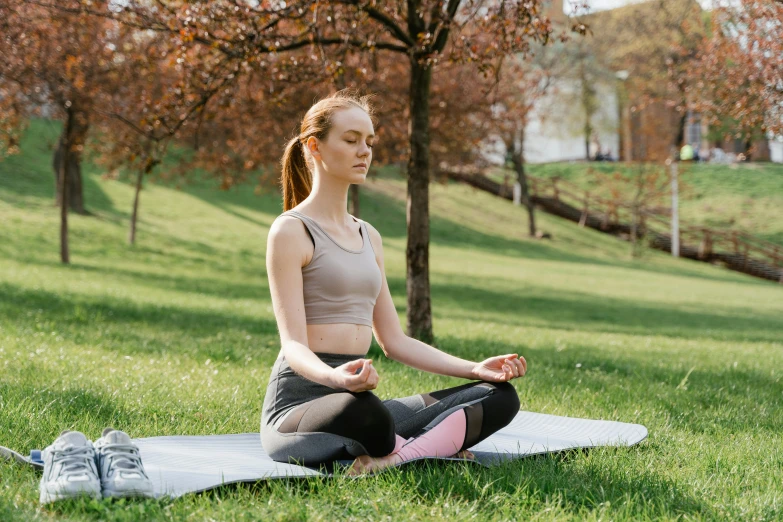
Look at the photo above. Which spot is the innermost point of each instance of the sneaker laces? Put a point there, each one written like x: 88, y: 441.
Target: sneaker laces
x: 74, y: 460
x: 124, y: 457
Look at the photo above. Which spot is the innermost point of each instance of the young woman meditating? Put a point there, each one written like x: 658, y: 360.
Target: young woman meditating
x: 329, y: 292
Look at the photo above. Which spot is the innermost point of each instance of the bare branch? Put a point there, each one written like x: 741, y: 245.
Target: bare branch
x: 387, y: 22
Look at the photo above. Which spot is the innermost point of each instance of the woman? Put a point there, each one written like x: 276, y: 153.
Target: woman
x: 329, y: 292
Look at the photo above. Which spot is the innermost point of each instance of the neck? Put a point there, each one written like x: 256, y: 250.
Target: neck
x: 328, y: 200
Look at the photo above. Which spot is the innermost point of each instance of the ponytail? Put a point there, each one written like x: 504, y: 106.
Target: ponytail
x: 297, y: 180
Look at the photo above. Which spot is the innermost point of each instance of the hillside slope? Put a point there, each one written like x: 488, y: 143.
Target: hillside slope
x: 177, y: 335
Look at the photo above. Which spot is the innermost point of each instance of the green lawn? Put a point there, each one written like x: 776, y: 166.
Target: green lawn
x: 746, y: 197
x: 177, y: 336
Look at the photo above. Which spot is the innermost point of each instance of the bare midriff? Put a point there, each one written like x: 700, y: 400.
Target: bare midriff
x: 345, y: 338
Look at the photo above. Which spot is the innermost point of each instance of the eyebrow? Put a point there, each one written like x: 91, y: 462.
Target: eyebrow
x: 359, y: 133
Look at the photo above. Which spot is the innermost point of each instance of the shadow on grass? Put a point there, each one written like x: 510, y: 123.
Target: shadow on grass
x: 578, y: 486
x: 578, y: 311
x: 710, y: 400
x: 31, y: 173
x: 78, y: 317
x: 187, y: 251
x: 54, y: 409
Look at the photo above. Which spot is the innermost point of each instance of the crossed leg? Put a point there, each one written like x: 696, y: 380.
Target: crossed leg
x: 445, y: 422
x: 382, y: 433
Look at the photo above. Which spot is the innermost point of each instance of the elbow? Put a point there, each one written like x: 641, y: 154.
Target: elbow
x: 392, y: 346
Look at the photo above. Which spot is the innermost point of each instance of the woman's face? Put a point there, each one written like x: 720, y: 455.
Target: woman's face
x: 348, y: 144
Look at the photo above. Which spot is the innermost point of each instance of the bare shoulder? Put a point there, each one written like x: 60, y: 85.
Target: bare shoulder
x: 286, y: 228
x: 289, y: 237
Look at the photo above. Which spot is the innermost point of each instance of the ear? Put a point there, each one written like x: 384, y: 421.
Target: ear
x: 312, y: 146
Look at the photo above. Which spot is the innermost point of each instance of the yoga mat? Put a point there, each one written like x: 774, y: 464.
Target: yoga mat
x: 181, y: 464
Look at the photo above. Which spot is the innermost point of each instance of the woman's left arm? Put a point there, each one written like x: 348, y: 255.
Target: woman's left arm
x: 412, y: 352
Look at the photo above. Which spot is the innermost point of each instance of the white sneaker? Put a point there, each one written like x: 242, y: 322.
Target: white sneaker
x: 121, y: 470
x: 69, y: 469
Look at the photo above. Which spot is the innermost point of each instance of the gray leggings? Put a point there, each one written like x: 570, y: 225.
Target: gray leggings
x: 307, y: 423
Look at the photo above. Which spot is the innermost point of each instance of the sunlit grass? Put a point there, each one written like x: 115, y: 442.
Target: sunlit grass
x: 176, y: 335
x: 744, y: 196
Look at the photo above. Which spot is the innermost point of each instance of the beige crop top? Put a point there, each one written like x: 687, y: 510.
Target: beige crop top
x: 340, y: 285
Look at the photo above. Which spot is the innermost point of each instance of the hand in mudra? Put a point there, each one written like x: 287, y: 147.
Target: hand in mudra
x: 356, y: 376
x: 501, y: 368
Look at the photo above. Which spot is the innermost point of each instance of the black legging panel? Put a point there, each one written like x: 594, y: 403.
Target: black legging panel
x: 358, y: 416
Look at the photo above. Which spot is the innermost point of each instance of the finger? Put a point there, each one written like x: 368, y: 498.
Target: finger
x: 524, y: 363
x: 522, y: 367
x: 514, y: 368
x: 358, y: 376
x: 518, y: 367
x: 352, y: 366
x: 365, y: 373
x: 507, y: 372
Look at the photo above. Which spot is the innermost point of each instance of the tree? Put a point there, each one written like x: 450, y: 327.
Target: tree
x: 656, y: 43
x: 523, y: 83
x: 133, y: 85
x: 479, y: 32
x: 738, y: 75
x: 58, y: 59
x: 155, y: 92
x: 55, y: 59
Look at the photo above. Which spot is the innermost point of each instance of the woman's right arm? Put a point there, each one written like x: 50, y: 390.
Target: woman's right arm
x: 286, y: 252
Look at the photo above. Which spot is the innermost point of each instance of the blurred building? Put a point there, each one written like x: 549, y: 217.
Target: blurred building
x: 609, y: 100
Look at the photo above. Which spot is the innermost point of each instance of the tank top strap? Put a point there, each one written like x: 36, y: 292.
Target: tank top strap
x: 315, y: 231
x: 366, y: 234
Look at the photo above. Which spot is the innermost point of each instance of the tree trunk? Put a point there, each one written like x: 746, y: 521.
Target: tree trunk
x: 354, y: 200
x: 419, y: 314
x: 65, y: 256
x: 588, y: 105
x: 135, y: 213
x: 635, y: 231
x: 75, y: 133
x: 680, y: 139
x: 518, y: 160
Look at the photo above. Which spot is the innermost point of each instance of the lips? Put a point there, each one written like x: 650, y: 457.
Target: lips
x: 361, y: 165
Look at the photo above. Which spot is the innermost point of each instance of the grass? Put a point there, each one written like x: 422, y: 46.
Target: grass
x: 177, y: 336
x: 746, y: 197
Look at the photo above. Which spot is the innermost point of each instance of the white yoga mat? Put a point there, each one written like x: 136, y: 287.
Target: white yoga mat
x: 181, y: 464
x: 184, y: 464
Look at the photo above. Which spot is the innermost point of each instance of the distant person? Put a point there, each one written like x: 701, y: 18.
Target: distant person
x: 686, y: 152
x: 329, y: 294
x: 594, y: 149
x: 717, y: 155
x: 696, y: 153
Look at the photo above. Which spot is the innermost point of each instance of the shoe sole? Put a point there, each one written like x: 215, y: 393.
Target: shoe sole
x: 128, y: 493
x: 47, y: 497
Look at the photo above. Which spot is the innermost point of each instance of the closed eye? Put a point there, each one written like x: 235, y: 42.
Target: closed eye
x: 369, y: 145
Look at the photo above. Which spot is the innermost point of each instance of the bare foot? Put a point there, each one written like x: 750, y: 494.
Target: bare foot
x: 465, y: 454
x: 366, y: 464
